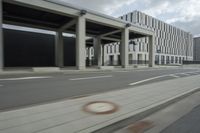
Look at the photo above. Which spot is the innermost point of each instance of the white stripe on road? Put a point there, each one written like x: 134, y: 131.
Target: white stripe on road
x: 175, y: 76
x: 197, y: 72
x: 184, y: 74
x: 108, y: 76
x: 24, y: 78
x: 145, y: 80
x: 171, y: 75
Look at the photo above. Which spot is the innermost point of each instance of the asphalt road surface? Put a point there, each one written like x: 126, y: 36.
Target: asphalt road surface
x: 29, y: 89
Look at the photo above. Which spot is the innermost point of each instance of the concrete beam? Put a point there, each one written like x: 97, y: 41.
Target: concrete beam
x: 67, y: 25
x: 59, y: 50
x: 111, y: 39
x: 80, y: 43
x: 29, y: 25
x: 124, y: 48
x: 110, y: 33
x: 1, y: 37
x: 151, y: 51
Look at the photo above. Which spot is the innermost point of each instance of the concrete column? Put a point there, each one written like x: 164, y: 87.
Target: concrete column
x: 59, y: 49
x: 89, y: 55
x: 80, y: 43
x: 95, y: 45
x: 124, y: 48
x: 159, y: 60
x: 98, y: 51
x: 151, y: 52
x: 103, y: 54
x: 1, y: 37
x: 165, y: 59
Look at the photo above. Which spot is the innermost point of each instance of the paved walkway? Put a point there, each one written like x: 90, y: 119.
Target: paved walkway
x: 68, y: 116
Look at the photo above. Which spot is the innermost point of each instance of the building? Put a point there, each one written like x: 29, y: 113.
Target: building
x: 197, y: 49
x: 89, y: 29
x: 172, y: 45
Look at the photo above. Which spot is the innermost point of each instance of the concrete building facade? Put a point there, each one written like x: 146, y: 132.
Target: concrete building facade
x: 90, y: 29
x: 172, y: 45
x: 197, y: 49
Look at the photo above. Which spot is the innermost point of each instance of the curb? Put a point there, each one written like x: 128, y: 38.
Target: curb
x: 70, y: 72
x: 144, y: 112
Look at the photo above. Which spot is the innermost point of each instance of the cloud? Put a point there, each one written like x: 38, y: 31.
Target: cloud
x: 104, y: 6
x: 180, y: 13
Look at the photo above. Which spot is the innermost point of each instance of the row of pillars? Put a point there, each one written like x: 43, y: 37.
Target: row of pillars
x: 81, y: 44
x: 99, y: 49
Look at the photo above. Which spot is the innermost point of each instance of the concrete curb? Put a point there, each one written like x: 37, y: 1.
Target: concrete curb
x: 65, y: 71
x: 144, y: 112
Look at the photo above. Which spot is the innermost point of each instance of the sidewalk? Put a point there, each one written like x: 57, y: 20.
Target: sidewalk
x: 69, y: 117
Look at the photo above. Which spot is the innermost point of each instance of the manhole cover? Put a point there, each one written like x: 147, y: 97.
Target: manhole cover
x: 100, y: 107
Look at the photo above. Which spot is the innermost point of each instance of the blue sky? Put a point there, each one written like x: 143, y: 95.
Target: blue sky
x: 184, y: 14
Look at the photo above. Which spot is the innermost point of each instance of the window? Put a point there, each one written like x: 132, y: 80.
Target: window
x: 172, y: 59
x: 139, y: 46
x: 111, y: 48
x: 131, y: 17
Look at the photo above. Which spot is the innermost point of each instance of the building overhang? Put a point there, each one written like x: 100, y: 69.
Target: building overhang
x: 51, y: 15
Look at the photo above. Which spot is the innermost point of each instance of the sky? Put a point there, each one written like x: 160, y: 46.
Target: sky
x: 183, y: 14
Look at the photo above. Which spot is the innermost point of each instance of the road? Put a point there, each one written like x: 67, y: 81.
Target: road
x: 29, y: 89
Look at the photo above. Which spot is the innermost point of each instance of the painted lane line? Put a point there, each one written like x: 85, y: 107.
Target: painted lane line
x: 175, y: 76
x: 184, y: 74
x: 97, y: 77
x: 24, y: 78
x: 149, y: 79
x: 192, y: 72
x: 122, y: 71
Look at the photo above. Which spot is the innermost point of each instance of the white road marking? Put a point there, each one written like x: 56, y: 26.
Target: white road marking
x: 197, y: 72
x: 122, y: 71
x: 108, y: 76
x: 175, y: 76
x: 149, y: 79
x: 24, y: 78
x: 184, y: 74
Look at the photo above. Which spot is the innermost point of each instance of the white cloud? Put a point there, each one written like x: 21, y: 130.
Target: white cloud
x: 104, y: 6
x: 181, y: 13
